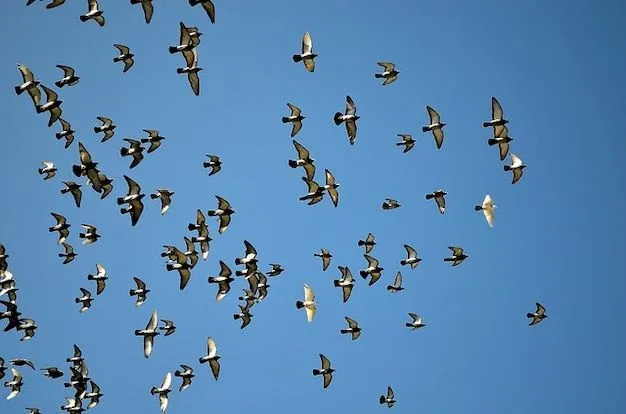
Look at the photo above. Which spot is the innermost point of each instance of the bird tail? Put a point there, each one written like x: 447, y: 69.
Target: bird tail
x: 477, y: 208
x: 61, y: 254
x: 403, y: 262
x: 530, y: 315
x: 492, y: 141
x: 123, y: 151
x: 180, y: 70
x: 211, y: 213
x: 297, y: 58
x: 81, y: 235
x: 90, y: 277
x: 378, y: 75
x: 154, y: 390
x: 240, y: 273
x: 77, y: 170
x: 507, y: 168
x: 316, y: 371
x: 382, y: 399
x: 344, y: 331
x: 120, y: 201
x: 299, y: 304
x: 96, y: 129
x: 238, y: 261
x: 169, y: 267
x: 408, y: 325
x: 336, y: 282
x: 40, y: 170
x: 337, y: 118
x: 76, y: 300
x: 173, y: 49
x: 448, y: 259
x: 177, y: 373
x: 145, y: 140
x: 59, y: 84
x: 285, y: 119
x: 153, y: 196
x: 131, y: 292
x: 486, y: 124
x: 18, y: 90
x: 191, y: 226
x: 363, y: 273
x: 425, y: 129
x: 212, y: 279
x: 429, y: 196
x: 361, y: 243
x: 83, y: 18
x: 236, y: 316
x: 293, y: 163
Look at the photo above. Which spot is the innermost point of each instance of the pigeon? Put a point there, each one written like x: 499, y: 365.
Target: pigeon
x: 517, y: 166
x: 149, y: 333
x: 168, y: 327
x: 397, y: 284
x: 33, y: 410
x: 248, y: 297
x: 390, y: 204
x: 212, y: 357
x: 69, y: 77
x: 497, y: 117
x: 153, y: 138
x: 353, y: 328
x: 346, y: 282
x: 9, y: 287
x: 107, y: 127
x: 21, y: 362
x: 308, y: 303
x: 407, y: 141
x: 326, y: 371
x: 29, y: 84
x: 412, y: 259
x: 125, y: 56
x: 186, y: 42
x: 67, y: 132
x: 85, y: 300
x: 2, y: 368
x: 213, y: 163
x: 69, y: 254
x: 325, y: 256
x: 186, y: 374
x: 29, y: 327
x: 163, y: 391
x: 62, y: 227
x: 3, y: 259
x: 11, y: 314
x: 436, y: 126
x: 417, y: 322
x: 74, y: 189
x: 248, y: 272
x: 457, y: 256
x: 93, y: 13
x: 133, y: 199
x: 389, y: 73
x: 207, y: 5
x: 250, y: 256
x: 15, y: 384
x: 90, y: 235
x: 52, y: 372
x: 52, y: 105
x: 331, y: 187
x: 245, y: 316
x: 439, y: 199
x: 148, y: 8
x: 73, y: 405
x: 191, y: 69
x: 295, y: 118
x: 106, y: 185
x: 100, y: 278
x: 135, y: 150
x: 203, y: 236
x: 175, y: 255
x: 304, y: 160
x: 87, y: 167
x: 538, y: 316
x: 307, y: 56
x: 277, y: 269
x: 223, y: 212
x: 369, y: 243
x: 487, y: 208
x: 262, y: 285
x: 77, y: 358
x: 141, y: 292
x: 223, y: 280
x: 165, y: 196
x: 54, y: 3
x: 49, y: 170
x: 350, y: 117
x: 184, y: 272
x: 502, y: 140
x: 315, y: 192
x: 389, y: 399
x: 373, y: 269
x: 94, y: 395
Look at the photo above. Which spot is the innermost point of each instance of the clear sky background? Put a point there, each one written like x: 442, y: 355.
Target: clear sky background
x: 558, y: 69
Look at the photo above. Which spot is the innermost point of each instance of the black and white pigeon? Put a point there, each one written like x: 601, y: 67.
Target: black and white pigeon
x: 29, y: 84
x: 69, y: 77
x: 390, y: 399
x: 52, y: 372
x: 326, y: 371
x: 368, y: 243
x: 212, y: 357
x: 93, y: 395
x: 184, y: 272
x: 87, y: 167
x: 15, y: 384
x: 436, y: 126
x: 502, y: 140
x: 207, y: 5
x: 134, y: 150
x: 67, y: 132
x: 90, y: 235
x: 457, y: 256
x: 439, y: 199
x: 108, y: 127
x: 353, y: 328
x: 373, y: 269
x: 168, y: 327
x: 49, y: 170
x: 100, y: 278
x: 349, y: 117
x: 331, y: 187
x: 163, y: 392
x: 249, y: 257
x: 153, y: 138
x: 389, y: 73
x: 186, y: 374
x: 22, y: 362
x: 295, y: 118
x: 245, y: 316
x: 416, y: 323
x: 407, y: 141
x: 346, y: 282
x: 148, y: 8
x: 29, y: 326
x: 203, y: 237
x: 11, y: 315
x: 141, y: 292
x: 52, y: 105
x: 223, y: 280
x: 69, y: 254
x: 62, y: 227
x: 223, y: 213
x: 397, y: 284
x: 304, y: 160
x: 537, y: 316
x: 497, y: 118
x: 186, y: 41
x: 412, y: 259
x: 191, y: 69
x: 276, y: 270
x: 307, y: 56
x: 76, y: 359
x: 149, y: 333
x: 133, y: 199
x: 517, y: 166
x: 85, y: 300
x: 315, y: 192
x: 326, y: 256
x: 390, y: 204
x: 93, y: 13
x: 125, y: 56
x: 214, y: 163
x: 165, y: 196
x: 74, y: 189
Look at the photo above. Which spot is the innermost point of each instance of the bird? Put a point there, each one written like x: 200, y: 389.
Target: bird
x: 22, y: 362
x: 52, y: 105
x: 49, y: 170
x: 52, y: 372
x: 517, y: 166
x: 417, y: 322
x: 184, y: 272
x: 29, y: 327
x: 389, y: 399
x: 29, y: 84
x: 212, y: 357
x: 100, y: 278
x: 436, y: 126
x: 149, y: 333
x: 74, y: 189
x: 90, y: 235
x: 163, y: 392
x: 154, y: 139
x: 276, y: 270
x: 88, y: 168
x: 203, y: 235
x: 3, y: 368
x: 390, y: 204
x: 165, y: 196
x: 94, y: 395
x: 135, y: 150
x: 315, y: 192
x: 62, y: 227
x: 373, y: 269
x: 326, y: 256
x: 207, y: 5
x: 307, y: 56
x: 133, y: 199
x: 54, y: 3
x: 168, y: 327
x: 93, y: 13
x: 331, y: 187
x: 369, y: 243
x: 457, y: 256
x: 223, y: 280
x: 106, y: 185
x: 407, y: 141
x: 346, y: 282
x: 245, y: 316
x: 487, y: 208
x: 261, y: 285
x: 67, y: 133
x: 186, y: 375
x: 350, y: 117
x: 148, y: 8
x: 497, y: 117
x: 304, y: 160
x: 397, y: 284
x: 108, y: 127
x: 326, y: 371
x: 77, y: 358
x: 214, y: 163
x: 538, y: 316
x: 186, y: 41
x: 141, y: 292
x: 439, y: 199
x: 389, y: 73
x: 3, y: 259
x: 223, y: 213
x: 412, y: 259
x: 295, y: 118
x: 191, y: 69
x: 308, y: 304
x: 502, y: 140
x: 69, y: 77
x: 33, y: 410
x: 353, y: 328
x: 249, y: 257
x: 11, y: 314
x: 15, y: 384
x: 125, y: 56
x: 69, y: 254
x: 85, y: 300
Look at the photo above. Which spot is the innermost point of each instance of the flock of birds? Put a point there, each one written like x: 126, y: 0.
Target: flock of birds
x: 184, y: 260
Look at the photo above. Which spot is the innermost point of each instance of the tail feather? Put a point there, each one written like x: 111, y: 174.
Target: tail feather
x: 478, y: 208
x: 507, y: 168
x: 131, y: 292
x: 378, y: 75
x: 154, y: 390
x: 530, y: 315
x: 177, y: 373
x: 84, y: 18
x: 293, y: 163
x: 77, y: 170
x: 153, y: 196
x: 408, y: 325
x: 337, y: 118
x: 403, y: 262
x: 297, y: 58
x: 429, y: 196
x: 363, y: 273
x: 81, y: 235
x: 123, y: 151
x: 76, y: 300
x: 316, y: 371
x: 336, y: 282
x: 120, y: 201
x: 212, y: 279
x: 59, y: 84
x: 425, y: 129
x: 206, y: 164
x: 344, y: 331
x: 61, y: 255
x: 361, y: 243
x: 173, y: 49
x: 485, y: 124
x: 18, y: 90
x: 236, y: 316
x: 180, y: 70
x: 40, y: 170
x: 492, y: 141
x: 238, y: 261
x: 191, y: 226
x: 211, y: 213
x: 299, y: 304
x: 169, y: 267
x: 285, y: 119
x: 382, y: 399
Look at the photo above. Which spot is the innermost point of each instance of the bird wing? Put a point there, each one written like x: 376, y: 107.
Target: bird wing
x: 325, y: 362
x: 225, y: 270
x: 250, y: 250
x: 350, y: 106
x: 133, y: 187
x: 154, y: 320
x: 215, y: 366
x: 194, y: 82
x: 441, y: 203
x: 517, y: 174
x: 185, y: 275
x: 351, y: 322
x: 51, y: 95
x: 148, y: 10
x: 59, y: 218
x: 224, y: 222
x: 438, y: 134
x: 457, y: 251
x: 351, y: 129
x: 124, y: 50
x: 184, y: 38
x: 387, y: 65
x: 496, y: 109
x: 390, y: 394
x: 295, y: 111
x: 67, y: 70
x: 330, y: 179
x: 303, y: 153
x: 209, y: 7
x: 309, y: 65
x: 222, y: 203
x: 136, y: 210
x: 140, y: 283
x: 416, y: 318
x: 101, y: 270
x: 310, y: 312
x: 504, y: 149
x: 372, y: 262
x: 410, y: 251
x: 346, y: 291
x: 27, y: 75
x: 398, y: 280
x: 540, y: 309
x: 309, y: 295
x: 433, y: 115
x: 211, y: 347
x: 515, y: 161
x: 307, y: 43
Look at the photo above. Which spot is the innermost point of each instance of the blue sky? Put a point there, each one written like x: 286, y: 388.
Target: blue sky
x: 556, y: 69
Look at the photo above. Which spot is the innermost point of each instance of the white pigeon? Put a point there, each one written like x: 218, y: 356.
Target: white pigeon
x: 487, y: 208
x: 308, y: 303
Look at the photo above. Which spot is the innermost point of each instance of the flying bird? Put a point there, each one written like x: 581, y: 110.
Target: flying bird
x: 93, y: 13
x: 326, y: 371
x: 397, y: 284
x: 304, y: 160
x: 29, y: 327
x: 502, y: 140
x: 168, y: 327
x: 369, y: 243
x: 223, y: 281
x: 154, y: 139
x: 389, y: 399
x: 141, y: 292
x: 135, y: 150
x: 407, y: 141
x: 15, y: 384
x: 11, y: 315
x: 133, y: 199
x: 350, y: 117
x: 69, y: 254
x: 191, y: 69
x: 106, y: 185
x: 436, y: 126
x: 331, y: 187
x: 100, y: 278
x: 326, y: 256
x: 94, y: 395
x: 307, y: 56
x: 54, y: 3
x: 497, y: 117
x: 346, y: 282
x: 250, y: 256
x: 213, y: 163
x: 88, y: 168
x: 107, y: 127
x: 29, y: 84
x: 373, y: 269
x: 315, y: 192
x: 62, y: 227
x: 165, y: 196
x: 487, y: 208
x: 203, y: 235
x: 163, y: 392
x: 295, y: 119
x: 22, y: 362
x: 390, y: 204
x: 90, y: 235
x: 412, y: 259
x: 49, y: 170
x: 74, y: 189
x: 77, y: 358
x: 186, y: 375
x: 149, y: 333
x: 67, y: 132
x: 223, y: 213
x: 439, y: 199
x: 125, y: 56
x: 417, y: 322
x: 308, y: 304
x: 207, y: 5
x: 212, y: 357
x: 353, y: 328
x: 52, y: 372
x: 148, y: 8
x: 183, y: 271
x: 389, y: 73
x: 538, y: 316
x: 52, y: 105
x: 245, y: 316
x: 186, y: 41
x: 517, y: 166
x: 84, y: 300
x: 69, y: 77
x: 276, y: 270
x: 457, y: 256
